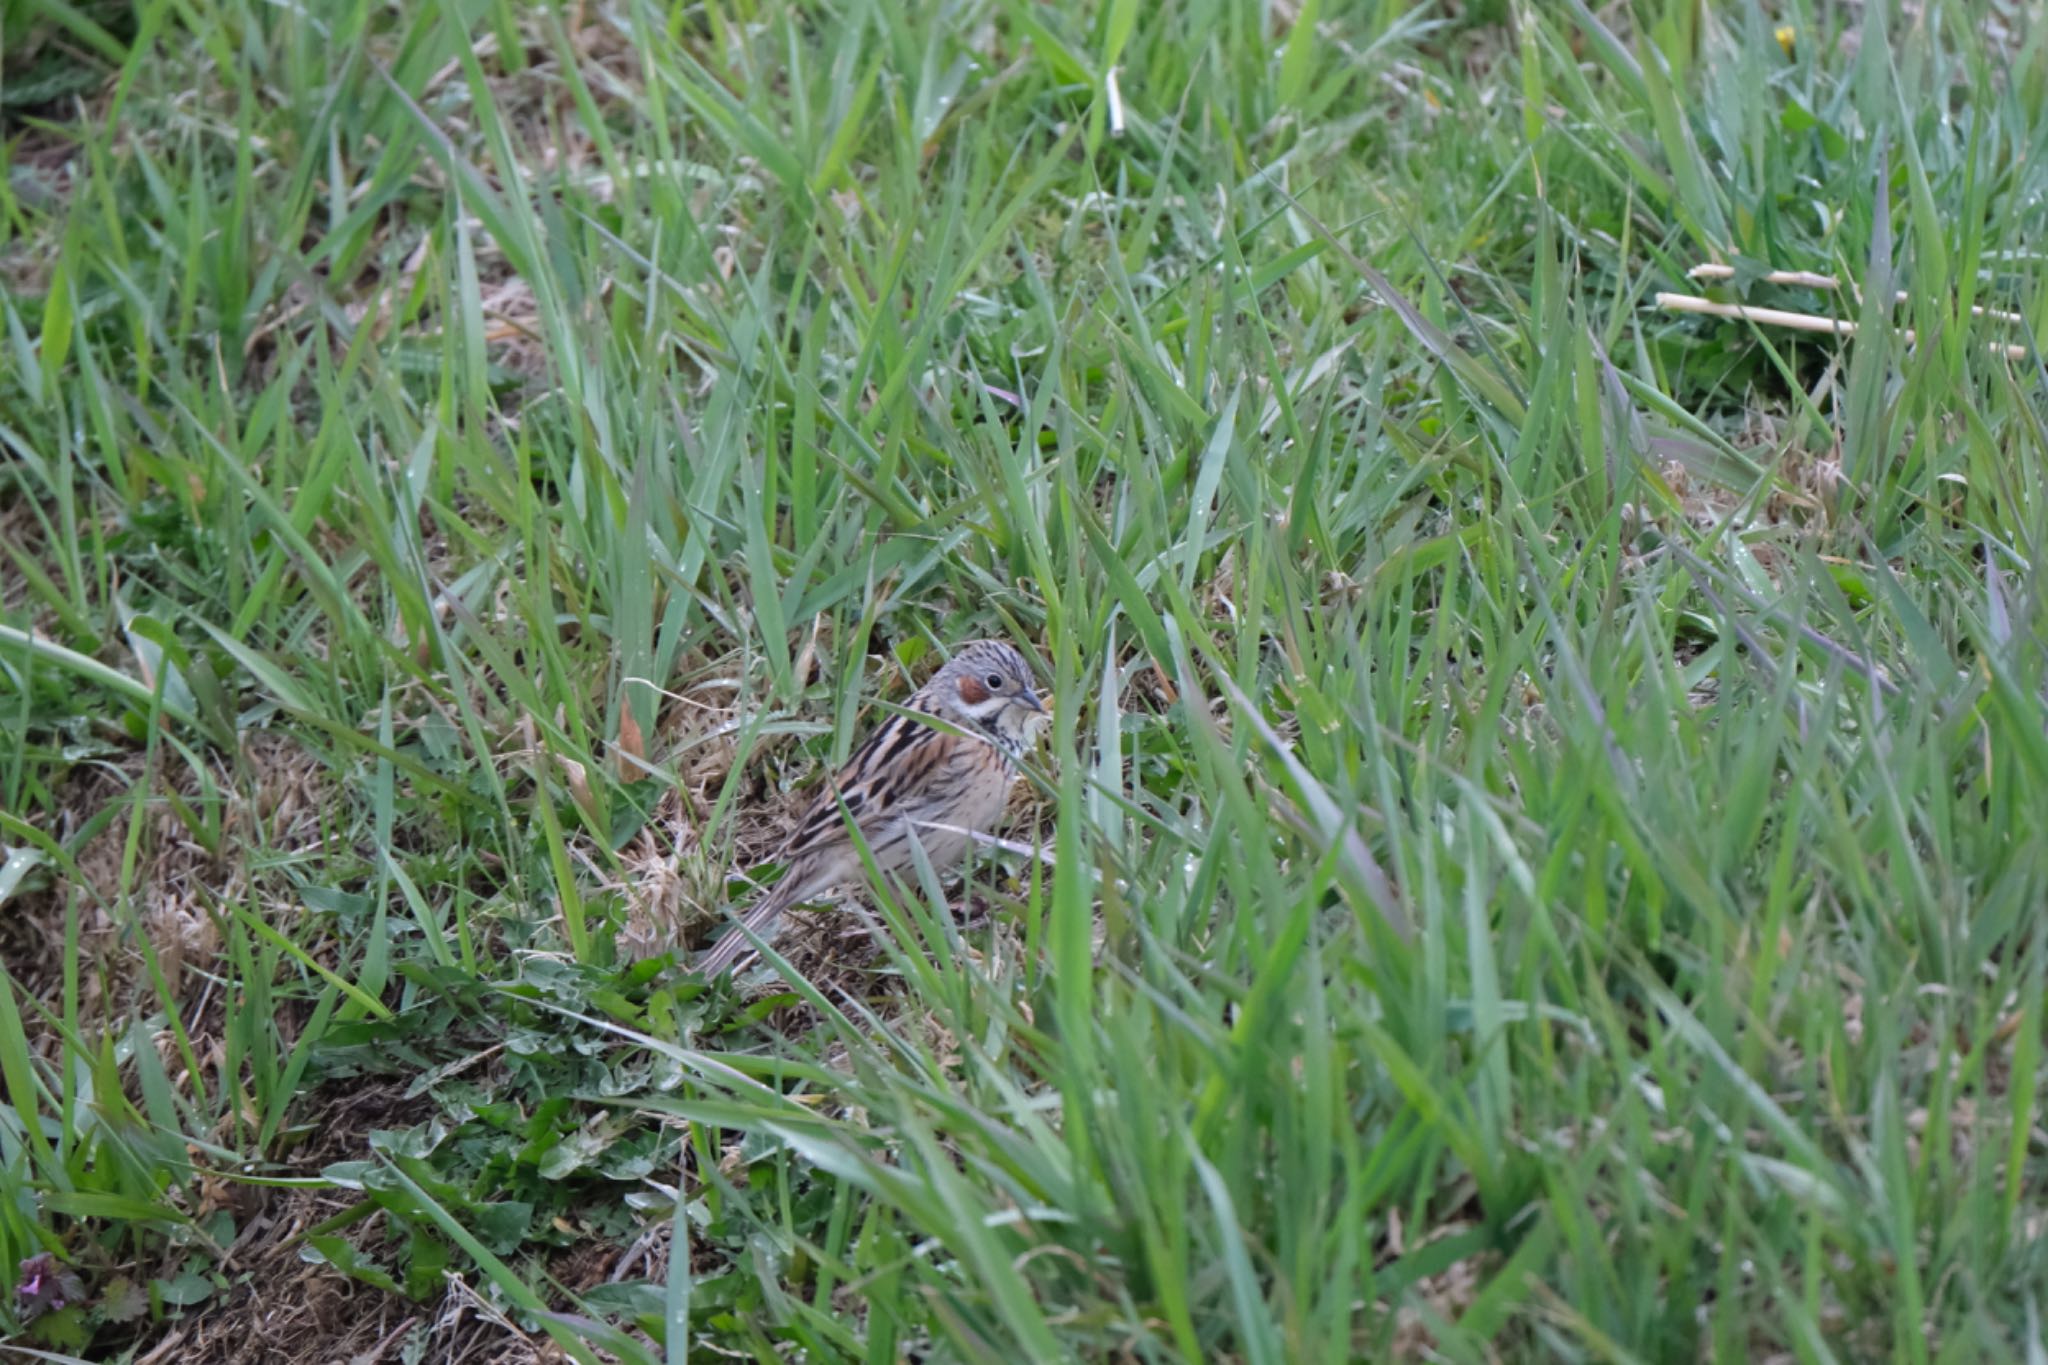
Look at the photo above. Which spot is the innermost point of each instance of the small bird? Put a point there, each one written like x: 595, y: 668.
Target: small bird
x: 909, y: 778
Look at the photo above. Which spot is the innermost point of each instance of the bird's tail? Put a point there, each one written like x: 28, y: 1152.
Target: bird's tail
x: 736, y: 949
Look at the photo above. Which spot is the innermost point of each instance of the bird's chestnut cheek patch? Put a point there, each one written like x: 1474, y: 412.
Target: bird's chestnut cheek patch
x: 973, y: 690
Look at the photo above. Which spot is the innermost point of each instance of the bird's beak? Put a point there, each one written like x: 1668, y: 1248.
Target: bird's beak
x: 1031, y: 699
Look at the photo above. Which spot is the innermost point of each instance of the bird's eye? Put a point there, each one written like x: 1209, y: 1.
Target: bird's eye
x: 994, y: 681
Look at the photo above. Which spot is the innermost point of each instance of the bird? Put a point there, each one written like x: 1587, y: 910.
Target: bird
x: 910, y: 778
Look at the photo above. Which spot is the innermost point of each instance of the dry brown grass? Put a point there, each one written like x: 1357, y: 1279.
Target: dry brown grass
x: 169, y: 906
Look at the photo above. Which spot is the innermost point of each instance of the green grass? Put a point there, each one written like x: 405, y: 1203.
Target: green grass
x: 1558, y: 787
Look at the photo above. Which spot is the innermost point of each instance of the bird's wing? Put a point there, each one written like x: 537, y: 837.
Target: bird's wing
x: 891, y: 764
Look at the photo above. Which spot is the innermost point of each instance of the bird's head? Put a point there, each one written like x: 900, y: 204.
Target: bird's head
x: 987, y: 685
